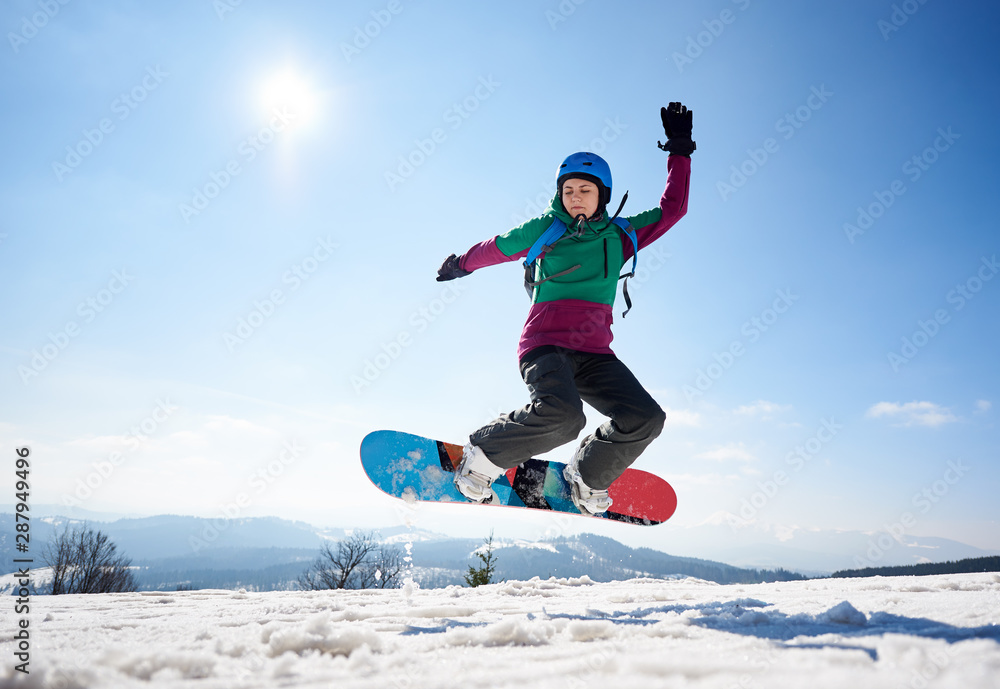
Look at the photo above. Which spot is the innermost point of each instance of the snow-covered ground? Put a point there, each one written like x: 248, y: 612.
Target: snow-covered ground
x: 940, y: 631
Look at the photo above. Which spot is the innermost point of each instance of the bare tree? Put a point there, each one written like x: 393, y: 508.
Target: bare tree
x: 385, y: 568
x: 86, y: 561
x: 358, y: 562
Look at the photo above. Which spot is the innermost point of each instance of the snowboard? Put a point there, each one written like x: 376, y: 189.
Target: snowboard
x: 417, y: 469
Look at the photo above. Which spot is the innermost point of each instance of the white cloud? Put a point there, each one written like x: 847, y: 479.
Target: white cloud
x: 720, y: 518
x: 983, y: 406
x: 727, y: 453
x: 713, y: 481
x: 784, y: 533
x: 913, y: 413
x: 681, y: 417
x: 762, y: 408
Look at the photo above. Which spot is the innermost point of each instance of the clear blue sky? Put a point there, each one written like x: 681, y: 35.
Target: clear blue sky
x: 221, y: 226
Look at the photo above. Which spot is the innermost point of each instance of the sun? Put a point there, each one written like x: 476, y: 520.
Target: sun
x: 288, y: 92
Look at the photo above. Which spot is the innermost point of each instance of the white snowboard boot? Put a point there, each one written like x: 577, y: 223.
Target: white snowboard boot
x: 586, y: 499
x: 475, y: 473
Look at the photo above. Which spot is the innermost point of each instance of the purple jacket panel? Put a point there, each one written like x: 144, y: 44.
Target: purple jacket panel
x: 568, y: 323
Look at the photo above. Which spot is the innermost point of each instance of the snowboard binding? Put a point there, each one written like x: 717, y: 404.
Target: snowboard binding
x: 475, y: 475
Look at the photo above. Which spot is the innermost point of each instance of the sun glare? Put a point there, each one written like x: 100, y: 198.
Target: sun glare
x: 289, y: 93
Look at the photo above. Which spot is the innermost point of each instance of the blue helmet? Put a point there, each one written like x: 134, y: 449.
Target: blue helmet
x: 586, y: 166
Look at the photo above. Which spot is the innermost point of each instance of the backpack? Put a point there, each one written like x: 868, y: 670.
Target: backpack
x: 556, y: 232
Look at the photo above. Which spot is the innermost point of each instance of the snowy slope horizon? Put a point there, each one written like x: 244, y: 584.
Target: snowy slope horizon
x: 757, y: 546
x: 267, y: 554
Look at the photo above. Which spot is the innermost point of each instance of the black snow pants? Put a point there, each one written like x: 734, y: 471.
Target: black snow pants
x: 559, y: 382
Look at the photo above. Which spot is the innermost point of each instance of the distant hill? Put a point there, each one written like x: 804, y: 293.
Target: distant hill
x: 599, y: 557
x: 814, y: 551
x: 966, y: 566
x: 722, y: 538
x: 267, y: 553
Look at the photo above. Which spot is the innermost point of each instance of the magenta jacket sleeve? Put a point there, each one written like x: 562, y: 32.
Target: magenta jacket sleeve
x: 673, y: 203
x: 486, y: 254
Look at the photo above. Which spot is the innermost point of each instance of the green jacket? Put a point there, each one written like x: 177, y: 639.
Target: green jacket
x: 599, y: 252
x: 573, y: 311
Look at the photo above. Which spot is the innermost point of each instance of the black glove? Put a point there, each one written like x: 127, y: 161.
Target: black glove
x: 451, y: 269
x: 677, y: 126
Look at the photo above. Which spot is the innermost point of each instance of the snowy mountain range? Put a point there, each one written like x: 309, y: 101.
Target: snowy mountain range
x: 270, y: 553
x: 267, y: 553
x: 812, y: 551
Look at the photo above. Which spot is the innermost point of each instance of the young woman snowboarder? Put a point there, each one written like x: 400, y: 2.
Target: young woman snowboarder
x: 564, y: 353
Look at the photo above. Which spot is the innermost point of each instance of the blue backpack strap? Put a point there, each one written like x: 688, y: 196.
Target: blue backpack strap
x: 542, y: 245
x: 554, y: 233
x: 626, y: 227
x: 546, y: 240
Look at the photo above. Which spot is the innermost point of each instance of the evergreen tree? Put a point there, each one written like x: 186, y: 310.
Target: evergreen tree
x: 483, y: 574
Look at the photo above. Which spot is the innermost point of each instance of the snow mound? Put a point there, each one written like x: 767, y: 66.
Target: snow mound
x: 152, y: 664
x: 441, y: 611
x: 319, y: 634
x: 843, y: 613
x: 539, y: 587
x: 590, y: 630
x: 515, y: 632
x: 536, y: 634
